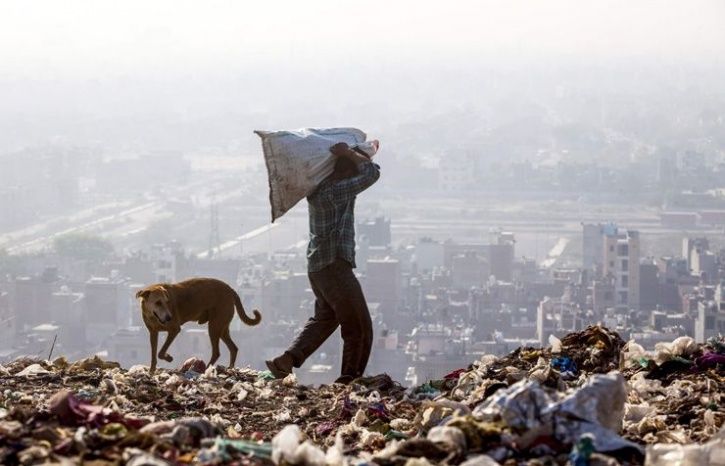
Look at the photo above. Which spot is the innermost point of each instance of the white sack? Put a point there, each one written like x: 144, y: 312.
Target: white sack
x: 298, y: 161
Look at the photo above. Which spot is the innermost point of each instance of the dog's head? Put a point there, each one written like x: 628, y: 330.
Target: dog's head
x: 155, y: 300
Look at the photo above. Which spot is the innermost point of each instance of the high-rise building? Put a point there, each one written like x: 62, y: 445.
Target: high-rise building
x: 376, y: 231
x: 469, y: 270
x: 501, y: 256
x: 593, y: 244
x: 710, y: 320
x: 382, y: 283
x: 689, y: 245
x: 621, y: 261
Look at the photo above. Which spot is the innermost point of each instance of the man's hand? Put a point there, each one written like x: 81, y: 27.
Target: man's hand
x: 340, y: 149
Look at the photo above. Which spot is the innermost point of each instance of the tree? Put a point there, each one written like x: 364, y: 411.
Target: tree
x: 10, y: 263
x: 82, y: 246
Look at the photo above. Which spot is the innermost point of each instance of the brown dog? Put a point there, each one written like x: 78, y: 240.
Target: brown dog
x: 166, y: 307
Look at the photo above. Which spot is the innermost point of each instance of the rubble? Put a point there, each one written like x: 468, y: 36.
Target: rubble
x: 590, y: 398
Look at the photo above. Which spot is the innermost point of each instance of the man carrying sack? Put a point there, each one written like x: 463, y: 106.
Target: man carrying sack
x: 339, y: 300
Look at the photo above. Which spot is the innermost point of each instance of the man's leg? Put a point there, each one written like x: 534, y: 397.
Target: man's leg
x: 343, y: 293
x: 317, y: 329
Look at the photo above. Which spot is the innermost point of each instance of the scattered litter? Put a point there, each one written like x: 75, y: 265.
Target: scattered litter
x: 595, y: 401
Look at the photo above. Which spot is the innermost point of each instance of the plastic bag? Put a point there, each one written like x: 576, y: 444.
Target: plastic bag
x: 555, y: 344
x: 711, y: 453
x: 298, y: 161
x: 681, y: 346
x: 634, y: 354
x: 452, y: 437
x: 31, y: 370
x: 597, y: 407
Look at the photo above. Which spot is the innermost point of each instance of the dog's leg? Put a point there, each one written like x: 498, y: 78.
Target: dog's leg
x: 154, y: 339
x: 227, y: 339
x: 169, y: 339
x: 214, y: 335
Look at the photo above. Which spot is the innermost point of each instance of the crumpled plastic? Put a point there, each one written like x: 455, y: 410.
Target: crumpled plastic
x: 31, y: 370
x: 710, y: 361
x: 288, y: 447
x: 532, y: 411
x: 193, y: 364
x: 681, y: 346
x: 711, y: 453
x: 73, y: 411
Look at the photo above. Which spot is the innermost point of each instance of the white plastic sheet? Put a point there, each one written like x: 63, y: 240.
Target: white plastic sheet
x: 597, y: 407
x: 298, y: 161
x: 711, y: 453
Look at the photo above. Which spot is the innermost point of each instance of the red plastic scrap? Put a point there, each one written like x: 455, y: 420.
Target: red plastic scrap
x: 71, y: 410
x: 455, y: 375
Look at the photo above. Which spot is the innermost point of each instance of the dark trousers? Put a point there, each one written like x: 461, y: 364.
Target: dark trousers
x: 339, y: 302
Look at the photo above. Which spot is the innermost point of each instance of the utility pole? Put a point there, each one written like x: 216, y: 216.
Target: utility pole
x: 214, y: 241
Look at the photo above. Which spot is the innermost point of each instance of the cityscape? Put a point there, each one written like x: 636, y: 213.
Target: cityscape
x: 493, y: 270
x: 362, y: 233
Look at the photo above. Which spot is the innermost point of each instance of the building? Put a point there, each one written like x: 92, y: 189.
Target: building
x: 501, y: 256
x: 66, y: 311
x: 429, y: 254
x: 602, y: 296
x: 690, y: 245
x: 376, y: 231
x: 469, y: 270
x: 621, y: 262
x: 31, y: 299
x: 710, y: 320
x: 284, y: 294
x: 556, y: 317
x: 105, y: 307
x: 591, y: 246
x: 382, y: 283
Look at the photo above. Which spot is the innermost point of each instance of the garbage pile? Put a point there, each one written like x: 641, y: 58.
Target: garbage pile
x: 587, y: 399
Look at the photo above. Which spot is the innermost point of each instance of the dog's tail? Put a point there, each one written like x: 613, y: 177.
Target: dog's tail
x: 242, y: 313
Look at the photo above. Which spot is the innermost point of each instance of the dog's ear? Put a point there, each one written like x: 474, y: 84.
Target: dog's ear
x: 143, y: 294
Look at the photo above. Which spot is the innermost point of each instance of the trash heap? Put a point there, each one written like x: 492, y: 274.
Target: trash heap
x: 587, y: 399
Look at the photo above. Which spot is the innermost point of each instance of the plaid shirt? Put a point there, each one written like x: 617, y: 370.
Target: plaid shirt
x: 332, y: 218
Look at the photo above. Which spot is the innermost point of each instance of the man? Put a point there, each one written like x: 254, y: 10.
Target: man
x: 339, y: 300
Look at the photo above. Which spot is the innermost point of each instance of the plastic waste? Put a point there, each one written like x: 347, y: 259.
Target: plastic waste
x: 451, y: 437
x: 32, y: 370
x: 555, y: 344
x: 137, y: 369
x: 285, y: 443
x: 298, y: 161
x: 531, y: 411
x: 681, y: 346
x: 565, y: 365
x: 582, y: 451
x: 138, y: 457
x: 634, y: 354
x: 193, y: 364
x: 711, y: 453
x: 710, y: 360
x: 717, y: 344
x: 219, y: 450
x: 480, y: 460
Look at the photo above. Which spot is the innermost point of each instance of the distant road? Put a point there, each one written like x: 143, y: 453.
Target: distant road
x: 113, y: 219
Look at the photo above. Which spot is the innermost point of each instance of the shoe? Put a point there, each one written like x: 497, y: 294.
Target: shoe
x: 344, y: 379
x: 277, y: 368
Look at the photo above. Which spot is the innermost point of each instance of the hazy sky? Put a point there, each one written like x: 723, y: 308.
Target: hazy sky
x: 100, y: 38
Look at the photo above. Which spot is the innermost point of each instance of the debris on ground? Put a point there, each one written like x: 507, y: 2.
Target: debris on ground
x: 588, y: 399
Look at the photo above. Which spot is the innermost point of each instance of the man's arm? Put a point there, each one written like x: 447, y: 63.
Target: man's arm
x: 341, y: 149
x: 369, y: 173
